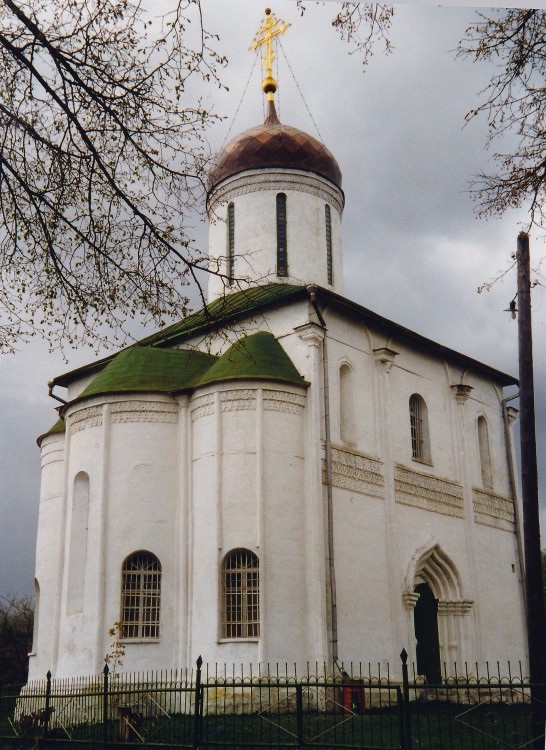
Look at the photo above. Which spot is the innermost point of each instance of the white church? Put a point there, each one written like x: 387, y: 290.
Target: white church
x: 284, y: 476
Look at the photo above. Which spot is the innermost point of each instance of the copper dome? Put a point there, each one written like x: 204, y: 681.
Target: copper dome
x: 274, y: 145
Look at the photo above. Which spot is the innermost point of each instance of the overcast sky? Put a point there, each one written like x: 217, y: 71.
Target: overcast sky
x: 414, y: 249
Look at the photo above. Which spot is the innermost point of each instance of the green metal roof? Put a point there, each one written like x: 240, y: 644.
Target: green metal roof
x: 221, y: 312
x: 56, y: 429
x: 149, y: 369
x: 146, y: 369
x: 258, y: 356
x: 246, y: 303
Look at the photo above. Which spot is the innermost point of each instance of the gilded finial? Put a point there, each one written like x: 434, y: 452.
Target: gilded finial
x: 271, y: 27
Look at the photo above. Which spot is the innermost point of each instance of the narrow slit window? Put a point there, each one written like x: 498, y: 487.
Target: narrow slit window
x: 230, y: 242
x: 346, y: 404
x: 241, y: 595
x: 329, y: 265
x: 282, y: 251
x: 140, y: 596
x: 485, y: 454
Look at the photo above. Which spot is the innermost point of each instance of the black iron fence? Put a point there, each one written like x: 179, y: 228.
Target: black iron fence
x: 355, y: 709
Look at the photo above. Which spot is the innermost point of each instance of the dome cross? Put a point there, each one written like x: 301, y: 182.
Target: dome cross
x: 272, y: 27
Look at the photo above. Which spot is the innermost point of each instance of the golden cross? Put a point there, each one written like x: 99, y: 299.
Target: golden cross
x: 272, y: 26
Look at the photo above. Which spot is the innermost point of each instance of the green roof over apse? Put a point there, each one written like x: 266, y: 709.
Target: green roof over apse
x: 257, y: 357
x: 220, y: 313
x: 142, y: 368
x: 57, y: 428
x: 145, y: 368
x: 223, y: 310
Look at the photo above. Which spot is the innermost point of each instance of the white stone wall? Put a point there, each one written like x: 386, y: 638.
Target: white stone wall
x: 254, y: 198
x: 247, y: 492
x: 49, y: 561
x: 240, y: 465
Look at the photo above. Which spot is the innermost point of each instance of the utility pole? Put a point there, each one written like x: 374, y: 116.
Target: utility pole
x: 536, y: 622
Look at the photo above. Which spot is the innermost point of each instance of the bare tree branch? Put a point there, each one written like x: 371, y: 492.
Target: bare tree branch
x: 102, y: 161
x: 514, y: 103
x: 362, y: 25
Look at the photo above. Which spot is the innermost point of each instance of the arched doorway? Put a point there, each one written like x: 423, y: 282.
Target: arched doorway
x: 425, y: 617
x: 439, y: 632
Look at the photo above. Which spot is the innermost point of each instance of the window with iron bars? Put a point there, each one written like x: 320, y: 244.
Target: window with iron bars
x: 241, y: 594
x: 420, y: 443
x: 140, y: 596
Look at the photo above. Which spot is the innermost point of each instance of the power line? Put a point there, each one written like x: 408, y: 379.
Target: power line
x: 240, y: 102
x: 300, y: 91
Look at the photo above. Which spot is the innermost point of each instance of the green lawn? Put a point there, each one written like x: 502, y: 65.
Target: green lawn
x: 435, y: 726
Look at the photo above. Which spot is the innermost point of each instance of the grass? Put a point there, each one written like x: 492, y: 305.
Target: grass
x: 435, y: 726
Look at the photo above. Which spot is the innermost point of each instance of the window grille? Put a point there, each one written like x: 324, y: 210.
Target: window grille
x: 140, y: 596
x: 329, y: 267
x: 241, y: 589
x: 230, y: 242
x: 420, y: 443
x: 282, y: 252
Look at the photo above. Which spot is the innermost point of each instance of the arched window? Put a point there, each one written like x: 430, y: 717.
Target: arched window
x: 78, y: 543
x: 241, y: 595
x: 346, y: 404
x: 485, y: 455
x: 329, y: 264
x: 140, y: 596
x: 230, y: 242
x: 420, y: 438
x: 282, y: 251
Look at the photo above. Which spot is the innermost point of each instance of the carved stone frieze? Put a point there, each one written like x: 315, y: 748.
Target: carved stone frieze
x: 144, y: 411
x: 202, y: 406
x: 277, y: 181
x: 493, y: 510
x: 84, y: 418
x: 238, y: 400
x: 291, y: 403
x: 356, y: 472
x: 428, y: 492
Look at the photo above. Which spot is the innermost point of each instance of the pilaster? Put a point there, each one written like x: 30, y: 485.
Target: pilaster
x: 102, y: 543
x: 470, y: 642
x: 384, y: 358
x: 312, y: 336
x: 181, y: 535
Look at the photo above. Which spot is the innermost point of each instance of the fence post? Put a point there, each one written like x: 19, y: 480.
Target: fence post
x: 405, y: 701
x: 299, y: 713
x: 47, y: 703
x: 198, y: 707
x: 105, y: 672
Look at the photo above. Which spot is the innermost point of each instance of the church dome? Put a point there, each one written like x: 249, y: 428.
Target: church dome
x: 274, y: 145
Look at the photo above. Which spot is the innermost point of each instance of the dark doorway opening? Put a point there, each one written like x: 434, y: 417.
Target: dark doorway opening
x: 426, y: 634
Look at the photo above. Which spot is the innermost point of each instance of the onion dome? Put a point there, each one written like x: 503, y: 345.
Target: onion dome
x: 274, y: 145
